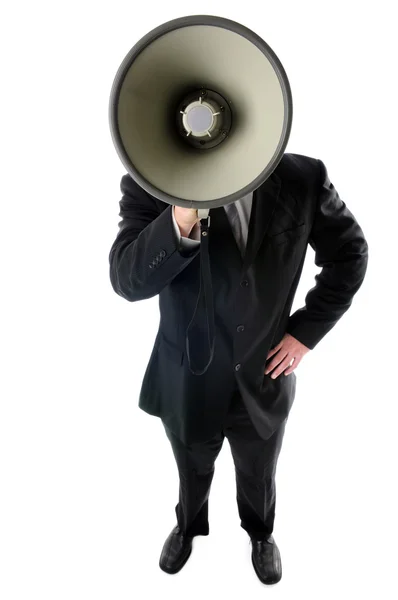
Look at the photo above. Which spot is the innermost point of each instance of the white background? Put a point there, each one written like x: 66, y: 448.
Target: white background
x: 88, y: 480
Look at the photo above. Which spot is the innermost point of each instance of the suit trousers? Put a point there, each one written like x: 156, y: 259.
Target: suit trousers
x: 255, y: 461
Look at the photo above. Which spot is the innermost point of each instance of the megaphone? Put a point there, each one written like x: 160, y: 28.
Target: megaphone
x: 200, y: 113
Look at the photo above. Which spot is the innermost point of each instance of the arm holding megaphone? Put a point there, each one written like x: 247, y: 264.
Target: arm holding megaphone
x: 187, y: 234
x: 148, y: 252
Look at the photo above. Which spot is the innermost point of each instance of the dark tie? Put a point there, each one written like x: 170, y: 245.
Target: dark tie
x: 236, y: 225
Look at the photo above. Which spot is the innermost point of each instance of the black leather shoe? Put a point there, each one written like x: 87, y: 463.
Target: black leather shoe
x: 266, y: 560
x: 176, y: 551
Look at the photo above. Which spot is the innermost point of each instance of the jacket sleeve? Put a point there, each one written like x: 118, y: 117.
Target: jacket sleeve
x: 342, y: 251
x: 146, y: 254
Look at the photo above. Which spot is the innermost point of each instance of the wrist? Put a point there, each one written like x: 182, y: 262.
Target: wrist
x: 185, y: 229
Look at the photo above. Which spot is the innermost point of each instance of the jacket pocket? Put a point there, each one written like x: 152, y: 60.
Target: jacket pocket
x: 287, y: 234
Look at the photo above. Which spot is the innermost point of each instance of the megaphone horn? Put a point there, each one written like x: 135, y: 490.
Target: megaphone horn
x: 194, y: 99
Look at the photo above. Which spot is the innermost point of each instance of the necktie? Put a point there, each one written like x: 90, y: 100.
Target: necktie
x: 236, y: 225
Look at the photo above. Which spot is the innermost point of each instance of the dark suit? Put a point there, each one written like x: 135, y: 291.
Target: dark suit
x: 296, y: 206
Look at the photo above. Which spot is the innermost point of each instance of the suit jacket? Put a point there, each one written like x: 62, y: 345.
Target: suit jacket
x: 253, y: 295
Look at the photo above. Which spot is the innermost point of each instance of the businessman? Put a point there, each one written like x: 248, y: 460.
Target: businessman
x: 257, y: 246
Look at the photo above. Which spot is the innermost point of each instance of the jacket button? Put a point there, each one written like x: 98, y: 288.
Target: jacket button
x: 162, y: 253
x: 237, y: 367
x: 240, y: 328
x: 244, y: 283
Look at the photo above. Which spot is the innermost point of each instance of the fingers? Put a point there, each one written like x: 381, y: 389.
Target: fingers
x: 281, y: 367
x: 278, y: 358
x: 279, y: 364
x: 273, y: 350
x: 296, y: 362
x: 287, y: 356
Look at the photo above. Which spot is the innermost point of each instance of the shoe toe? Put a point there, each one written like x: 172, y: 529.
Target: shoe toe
x: 266, y: 561
x: 176, y: 551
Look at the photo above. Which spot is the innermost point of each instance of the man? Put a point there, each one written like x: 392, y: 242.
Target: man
x: 257, y: 248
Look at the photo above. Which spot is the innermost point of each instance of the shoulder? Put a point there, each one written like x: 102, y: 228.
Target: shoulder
x: 298, y: 167
x: 133, y: 191
x: 299, y: 175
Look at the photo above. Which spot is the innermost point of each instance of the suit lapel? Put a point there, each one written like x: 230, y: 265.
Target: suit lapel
x: 264, y: 202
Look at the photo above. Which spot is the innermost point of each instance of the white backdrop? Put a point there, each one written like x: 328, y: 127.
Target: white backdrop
x: 88, y: 480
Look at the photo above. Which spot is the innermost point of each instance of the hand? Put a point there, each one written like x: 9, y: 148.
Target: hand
x: 186, y: 219
x: 289, y: 349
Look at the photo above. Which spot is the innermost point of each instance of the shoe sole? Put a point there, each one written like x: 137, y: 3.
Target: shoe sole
x: 261, y: 579
x: 171, y: 571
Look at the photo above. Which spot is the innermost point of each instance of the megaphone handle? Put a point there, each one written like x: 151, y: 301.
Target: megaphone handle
x: 205, y: 274
x: 203, y: 213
